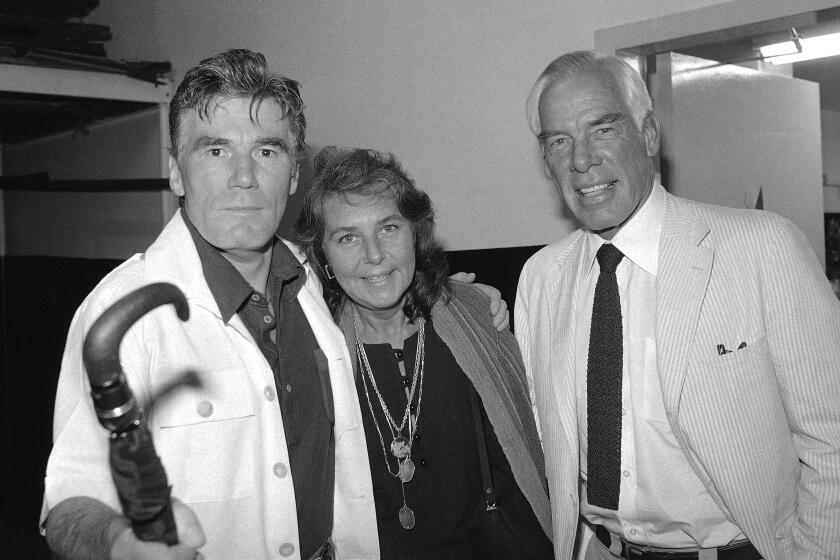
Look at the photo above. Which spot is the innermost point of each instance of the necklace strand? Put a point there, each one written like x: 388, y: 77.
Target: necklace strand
x: 419, y: 360
x: 403, y: 456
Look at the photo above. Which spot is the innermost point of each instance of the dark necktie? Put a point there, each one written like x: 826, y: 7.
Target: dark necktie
x: 603, y: 386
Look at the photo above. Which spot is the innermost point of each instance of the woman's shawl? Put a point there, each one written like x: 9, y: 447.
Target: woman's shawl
x: 492, y: 361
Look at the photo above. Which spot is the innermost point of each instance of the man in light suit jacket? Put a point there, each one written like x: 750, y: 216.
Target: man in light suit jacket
x: 698, y: 411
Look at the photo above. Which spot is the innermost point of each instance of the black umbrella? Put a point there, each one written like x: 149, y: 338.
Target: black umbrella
x: 137, y: 471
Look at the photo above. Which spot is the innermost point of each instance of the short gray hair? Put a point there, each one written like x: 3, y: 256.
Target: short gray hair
x: 626, y: 78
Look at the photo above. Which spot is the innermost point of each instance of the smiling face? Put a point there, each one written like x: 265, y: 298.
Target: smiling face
x: 370, y: 247
x: 235, y: 173
x: 596, y: 154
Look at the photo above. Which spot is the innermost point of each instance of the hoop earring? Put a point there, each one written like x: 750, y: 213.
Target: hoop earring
x: 329, y: 272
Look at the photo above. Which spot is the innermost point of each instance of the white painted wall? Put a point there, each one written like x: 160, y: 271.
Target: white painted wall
x: 440, y: 83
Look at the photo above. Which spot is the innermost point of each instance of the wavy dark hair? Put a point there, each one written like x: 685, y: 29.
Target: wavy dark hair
x: 236, y: 73
x: 339, y: 171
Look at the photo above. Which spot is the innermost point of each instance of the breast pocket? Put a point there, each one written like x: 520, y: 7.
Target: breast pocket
x: 207, y: 438
x: 750, y: 361
x: 740, y: 389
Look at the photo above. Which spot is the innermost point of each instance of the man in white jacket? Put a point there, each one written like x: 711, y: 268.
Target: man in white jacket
x: 682, y: 356
x: 266, y: 456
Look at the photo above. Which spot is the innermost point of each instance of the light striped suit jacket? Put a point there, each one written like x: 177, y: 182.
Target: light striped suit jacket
x: 760, y: 426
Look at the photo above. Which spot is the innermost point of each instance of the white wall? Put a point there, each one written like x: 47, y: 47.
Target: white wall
x: 442, y: 84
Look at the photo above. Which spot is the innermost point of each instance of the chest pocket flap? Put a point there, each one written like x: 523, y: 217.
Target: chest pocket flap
x: 220, y: 395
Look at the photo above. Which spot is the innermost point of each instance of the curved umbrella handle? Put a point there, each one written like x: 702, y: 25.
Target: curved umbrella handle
x: 137, y: 471
x: 115, y: 405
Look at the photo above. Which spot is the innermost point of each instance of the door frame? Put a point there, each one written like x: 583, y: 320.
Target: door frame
x: 647, y: 43
x: 739, y: 18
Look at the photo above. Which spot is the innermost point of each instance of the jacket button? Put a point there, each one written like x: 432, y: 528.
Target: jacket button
x: 280, y: 470
x: 204, y: 409
x: 269, y: 392
x: 287, y: 549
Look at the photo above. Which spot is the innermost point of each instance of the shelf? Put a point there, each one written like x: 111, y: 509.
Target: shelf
x: 37, y: 101
x: 41, y: 182
x: 79, y: 83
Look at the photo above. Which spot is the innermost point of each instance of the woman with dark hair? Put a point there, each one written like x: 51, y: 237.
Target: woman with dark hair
x: 455, y: 457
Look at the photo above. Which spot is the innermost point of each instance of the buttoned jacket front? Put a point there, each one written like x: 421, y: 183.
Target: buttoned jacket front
x: 222, y: 441
x: 760, y: 426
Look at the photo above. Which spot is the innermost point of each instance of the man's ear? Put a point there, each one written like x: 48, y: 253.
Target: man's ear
x: 547, y: 170
x: 175, y: 181
x: 293, y: 183
x: 652, y: 130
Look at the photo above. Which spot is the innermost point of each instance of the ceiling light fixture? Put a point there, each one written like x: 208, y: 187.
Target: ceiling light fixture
x: 800, y: 48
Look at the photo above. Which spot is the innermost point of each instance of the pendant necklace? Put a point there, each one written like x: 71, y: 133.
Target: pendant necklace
x: 400, y: 444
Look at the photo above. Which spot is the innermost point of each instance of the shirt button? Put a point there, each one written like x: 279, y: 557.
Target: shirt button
x: 204, y: 409
x: 623, y: 411
x: 633, y: 531
x: 269, y: 392
x: 288, y: 387
x: 267, y: 318
x: 626, y: 474
x: 287, y: 549
x: 280, y: 470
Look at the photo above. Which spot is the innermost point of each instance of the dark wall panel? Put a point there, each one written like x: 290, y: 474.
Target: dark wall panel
x: 499, y: 268
x: 40, y: 295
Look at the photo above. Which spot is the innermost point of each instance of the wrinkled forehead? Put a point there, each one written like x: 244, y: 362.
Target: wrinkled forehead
x: 353, y: 209
x: 368, y: 194
x: 240, y: 117
x: 590, y: 92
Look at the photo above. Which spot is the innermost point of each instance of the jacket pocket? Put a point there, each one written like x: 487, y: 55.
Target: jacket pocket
x: 742, y: 383
x: 207, y: 437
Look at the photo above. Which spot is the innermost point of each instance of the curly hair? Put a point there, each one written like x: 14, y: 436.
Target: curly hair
x: 340, y: 171
x: 236, y: 73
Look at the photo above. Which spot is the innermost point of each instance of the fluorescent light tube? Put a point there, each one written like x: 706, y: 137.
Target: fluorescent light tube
x: 813, y: 47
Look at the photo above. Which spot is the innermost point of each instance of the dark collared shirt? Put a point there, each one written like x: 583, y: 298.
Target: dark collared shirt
x: 300, y: 373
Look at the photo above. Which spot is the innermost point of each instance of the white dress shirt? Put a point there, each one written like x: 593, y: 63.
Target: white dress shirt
x: 662, y: 501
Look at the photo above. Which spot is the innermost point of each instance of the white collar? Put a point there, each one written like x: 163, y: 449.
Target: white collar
x: 638, y: 239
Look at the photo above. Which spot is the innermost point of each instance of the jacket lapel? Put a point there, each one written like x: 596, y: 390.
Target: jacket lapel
x: 555, y: 389
x: 563, y: 326
x: 684, y: 270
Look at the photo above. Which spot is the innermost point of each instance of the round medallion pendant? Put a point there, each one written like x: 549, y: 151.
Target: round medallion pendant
x: 400, y: 448
x: 406, y: 517
x: 406, y: 470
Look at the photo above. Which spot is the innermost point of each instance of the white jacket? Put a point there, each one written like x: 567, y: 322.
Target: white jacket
x: 223, y: 443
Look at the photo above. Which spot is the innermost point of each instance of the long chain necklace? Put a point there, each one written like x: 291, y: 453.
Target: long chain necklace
x: 400, y: 445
